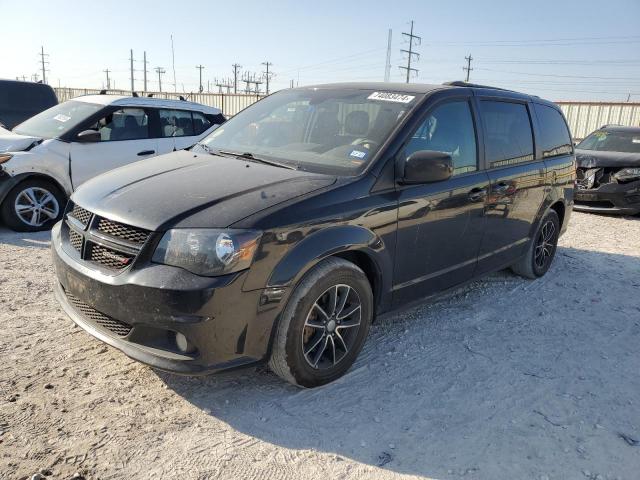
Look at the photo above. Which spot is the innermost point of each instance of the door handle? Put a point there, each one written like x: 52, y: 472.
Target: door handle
x: 146, y: 152
x: 501, y: 188
x: 477, y: 194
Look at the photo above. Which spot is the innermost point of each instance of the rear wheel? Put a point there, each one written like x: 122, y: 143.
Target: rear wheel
x: 542, y: 248
x: 324, y: 325
x: 33, y: 205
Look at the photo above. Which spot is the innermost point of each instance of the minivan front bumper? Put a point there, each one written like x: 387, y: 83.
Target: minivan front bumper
x: 143, y: 311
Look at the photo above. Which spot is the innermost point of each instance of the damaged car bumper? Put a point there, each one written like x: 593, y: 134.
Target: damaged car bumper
x: 599, y: 191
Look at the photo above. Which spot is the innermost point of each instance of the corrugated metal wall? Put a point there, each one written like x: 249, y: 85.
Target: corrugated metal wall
x: 229, y: 103
x: 585, y: 117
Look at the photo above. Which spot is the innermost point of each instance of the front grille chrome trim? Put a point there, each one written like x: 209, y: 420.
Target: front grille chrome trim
x: 110, y: 246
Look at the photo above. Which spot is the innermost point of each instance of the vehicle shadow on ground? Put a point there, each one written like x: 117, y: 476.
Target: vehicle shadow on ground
x: 25, y: 239
x: 483, y: 381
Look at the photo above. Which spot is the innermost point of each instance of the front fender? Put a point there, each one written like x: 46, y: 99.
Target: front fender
x: 331, y: 241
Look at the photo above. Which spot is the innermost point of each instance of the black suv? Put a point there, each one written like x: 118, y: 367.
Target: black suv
x: 285, y: 232
x: 608, y: 171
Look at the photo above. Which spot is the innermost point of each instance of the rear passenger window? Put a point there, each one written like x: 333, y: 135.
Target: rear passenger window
x: 200, y: 123
x: 508, y: 136
x: 176, y: 123
x: 449, y: 128
x: 554, y: 133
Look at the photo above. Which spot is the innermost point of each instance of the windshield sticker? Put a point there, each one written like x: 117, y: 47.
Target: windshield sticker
x: 358, y: 154
x: 62, y: 118
x: 391, y: 97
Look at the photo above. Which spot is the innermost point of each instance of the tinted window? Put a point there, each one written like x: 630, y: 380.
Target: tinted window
x: 123, y: 124
x: 58, y: 120
x: 508, y: 137
x: 176, y: 123
x: 449, y: 128
x: 612, y: 141
x: 200, y: 123
x: 554, y: 134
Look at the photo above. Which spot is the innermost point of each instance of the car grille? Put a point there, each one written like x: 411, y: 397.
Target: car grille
x: 100, y: 241
x: 117, y: 327
x: 123, y: 232
x: 75, y: 239
x: 80, y: 214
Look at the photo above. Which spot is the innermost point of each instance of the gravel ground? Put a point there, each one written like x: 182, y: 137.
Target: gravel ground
x: 503, y: 379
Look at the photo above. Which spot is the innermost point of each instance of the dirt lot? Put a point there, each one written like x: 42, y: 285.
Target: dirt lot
x: 504, y: 379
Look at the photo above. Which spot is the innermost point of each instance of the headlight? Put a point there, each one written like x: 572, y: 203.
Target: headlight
x: 5, y: 157
x: 627, y: 173
x: 208, y: 252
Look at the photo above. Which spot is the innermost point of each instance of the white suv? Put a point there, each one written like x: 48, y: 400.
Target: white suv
x: 44, y: 159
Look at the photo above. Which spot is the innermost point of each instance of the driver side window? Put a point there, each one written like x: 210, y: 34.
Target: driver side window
x: 123, y: 124
x: 449, y: 128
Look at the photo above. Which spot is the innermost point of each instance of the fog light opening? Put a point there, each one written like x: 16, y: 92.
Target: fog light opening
x: 183, y: 344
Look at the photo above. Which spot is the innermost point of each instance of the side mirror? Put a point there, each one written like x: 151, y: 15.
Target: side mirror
x: 425, y: 166
x: 89, y: 136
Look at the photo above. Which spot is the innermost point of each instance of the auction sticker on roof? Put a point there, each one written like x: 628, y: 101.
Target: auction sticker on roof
x: 391, y: 97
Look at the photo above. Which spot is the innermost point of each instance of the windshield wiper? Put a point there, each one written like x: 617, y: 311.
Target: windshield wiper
x: 251, y: 157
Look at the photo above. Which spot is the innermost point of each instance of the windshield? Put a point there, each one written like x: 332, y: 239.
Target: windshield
x: 333, y: 131
x: 57, y: 120
x: 611, y: 141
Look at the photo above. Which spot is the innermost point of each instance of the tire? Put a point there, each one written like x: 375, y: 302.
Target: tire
x: 28, y: 193
x: 545, y: 243
x: 302, y: 323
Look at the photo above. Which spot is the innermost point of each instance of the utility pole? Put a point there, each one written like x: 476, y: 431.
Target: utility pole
x: 200, y: 67
x: 291, y: 83
x: 173, y: 65
x: 410, y: 53
x: 132, y: 79
x: 160, y: 71
x: 236, y: 68
x: 145, y: 70
x: 468, y: 67
x: 267, y: 74
x: 387, y: 68
x: 44, y: 62
x: 107, y: 71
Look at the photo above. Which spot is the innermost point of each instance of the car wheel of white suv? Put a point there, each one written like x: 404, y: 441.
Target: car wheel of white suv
x: 33, y: 205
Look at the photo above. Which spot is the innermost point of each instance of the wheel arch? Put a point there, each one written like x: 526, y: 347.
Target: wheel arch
x: 355, y: 244
x: 22, y: 177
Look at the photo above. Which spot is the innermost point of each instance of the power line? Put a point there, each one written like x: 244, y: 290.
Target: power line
x: 236, y: 68
x: 410, y: 53
x: 160, y: 71
x: 44, y: 62
x: 145, y: 70
x: 200, y: 68
x: 468, y: 67
x: 131, y: 71
x: 267, y: 75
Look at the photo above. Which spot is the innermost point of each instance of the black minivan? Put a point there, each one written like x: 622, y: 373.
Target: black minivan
x: 20, y: 101
x: 282, y: 235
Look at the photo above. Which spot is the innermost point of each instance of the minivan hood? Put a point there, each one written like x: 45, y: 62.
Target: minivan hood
x: 184, y: 189
x: 14, y: 142
x: 596, y: 158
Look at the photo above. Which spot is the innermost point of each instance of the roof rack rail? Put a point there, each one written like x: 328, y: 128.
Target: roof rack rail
x: 460, y: 83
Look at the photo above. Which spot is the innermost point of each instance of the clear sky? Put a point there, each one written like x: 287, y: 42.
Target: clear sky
x: 562, y: 50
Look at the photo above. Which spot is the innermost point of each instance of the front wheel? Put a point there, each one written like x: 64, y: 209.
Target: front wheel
x: 324, y: 325
x: 33, y: 205
x: 542, y: 248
